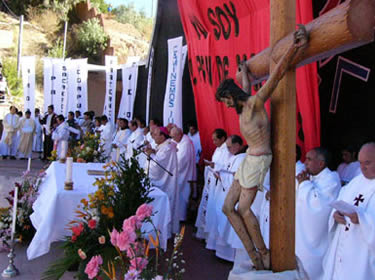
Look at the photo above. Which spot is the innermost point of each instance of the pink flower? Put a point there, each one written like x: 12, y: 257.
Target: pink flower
x: 92, y: 268
x: 82, y: 146
x: 74, y: 238
x: 125, y: 239
x: 138, y: 263
x: 132, y: 275
x: 82, y: 254
x: 114, y: 237
x: 133, y: 223
x: 101, y: 239
x: 77, y: 230
x: 144, y: 211
x: 92, y: 224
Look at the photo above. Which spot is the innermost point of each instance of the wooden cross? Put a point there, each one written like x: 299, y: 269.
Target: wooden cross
x: 347, y: 26
x: 358, y: 199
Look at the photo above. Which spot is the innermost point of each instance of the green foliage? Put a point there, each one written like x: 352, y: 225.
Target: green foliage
x: 10, y: 73
x: 62, y: 7
x: 92, y: 39
x: 101, y: 5
x: 128, y: 14
x: 57, y: 50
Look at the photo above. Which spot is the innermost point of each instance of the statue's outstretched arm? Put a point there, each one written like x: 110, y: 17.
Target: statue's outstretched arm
x: 300, y: 41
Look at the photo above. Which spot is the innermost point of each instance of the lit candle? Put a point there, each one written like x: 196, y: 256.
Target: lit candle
x: 29, y: 164
x: 69, y: 165
x: 14, y: 217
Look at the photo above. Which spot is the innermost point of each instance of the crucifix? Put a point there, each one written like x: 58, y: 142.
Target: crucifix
x: 347, y: 26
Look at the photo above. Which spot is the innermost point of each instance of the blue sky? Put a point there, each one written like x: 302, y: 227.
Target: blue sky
x: 144, y: 5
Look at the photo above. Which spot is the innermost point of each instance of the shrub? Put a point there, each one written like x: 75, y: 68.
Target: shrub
x: 10, y: 73
x: 57, y: 50
x: 100, y: 5
x: 91, y: 37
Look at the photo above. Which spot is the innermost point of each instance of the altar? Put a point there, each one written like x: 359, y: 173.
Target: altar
x: 55, y: 207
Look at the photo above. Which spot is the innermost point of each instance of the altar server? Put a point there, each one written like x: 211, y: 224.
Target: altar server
x: 351, y: 252
x: 186, y: 168
x: 121, y: 138
x: 349, y: 168
x: 27, y: 131
x: 60, y: 137
x: 9, y: 138
x: 135, y: 139
x: 38, y: 137
x: 106, y: 135
x: 317, y: 188
x: 165, y: 161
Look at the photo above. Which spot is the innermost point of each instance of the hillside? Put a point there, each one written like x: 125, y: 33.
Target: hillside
x: 42, y: 32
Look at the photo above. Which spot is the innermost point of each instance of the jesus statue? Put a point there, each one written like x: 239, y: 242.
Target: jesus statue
x: 255, y: 128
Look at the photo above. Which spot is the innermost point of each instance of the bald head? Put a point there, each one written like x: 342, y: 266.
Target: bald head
x: 367, y: 160
x: 176, y: 134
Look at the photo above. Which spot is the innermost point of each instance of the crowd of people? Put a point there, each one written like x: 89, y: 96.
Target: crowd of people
x: 327, y: 237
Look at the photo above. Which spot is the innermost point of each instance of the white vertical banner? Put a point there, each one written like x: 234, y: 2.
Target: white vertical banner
x: 60, y: 86
x: 28, y: 82
x: 129, y: 88
x: 149, y: 80
x: 110, y: 88
x: 77, y: 85
x: 173, y: 91
x: 48, y: 78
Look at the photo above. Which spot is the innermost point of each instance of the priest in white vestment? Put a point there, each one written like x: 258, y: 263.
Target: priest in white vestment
x: 217, y: 224
x: 186, y: 168
x: 121, y: 139
x: 60, y: 136
x: 38, y: 137
x: 27, y: 131
x: 9, y: 138
x: 317, y: 188
x: 219, y: 137
x: 351, y: 251
x: 135, y: 141
x: 349, y: 168
x: 165, y: 155
x: 106, y: 136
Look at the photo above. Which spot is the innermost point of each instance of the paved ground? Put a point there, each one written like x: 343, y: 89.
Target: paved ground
x: 201, y: 264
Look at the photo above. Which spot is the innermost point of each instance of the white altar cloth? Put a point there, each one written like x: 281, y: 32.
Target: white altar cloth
x: 55, y: 207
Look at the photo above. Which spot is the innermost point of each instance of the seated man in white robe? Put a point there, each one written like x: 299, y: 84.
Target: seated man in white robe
x: 186, y: 169
x: 135, y: 141
x: 349, y: 168
x: 60, y: 136
x: 8, y: 144
x: 106, y: 135
x: 38, y: 137
x: 163, y: 171
x: 27, y: 131
x: 351, y: 251
x: 317, y: 188
x: 121, y: 138
x: 219, y: 136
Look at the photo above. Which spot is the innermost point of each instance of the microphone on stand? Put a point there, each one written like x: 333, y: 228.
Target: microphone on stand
x: 141, y: 146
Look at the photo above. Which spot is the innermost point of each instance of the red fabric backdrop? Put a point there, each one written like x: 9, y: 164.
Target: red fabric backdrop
x: 220, y: 34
